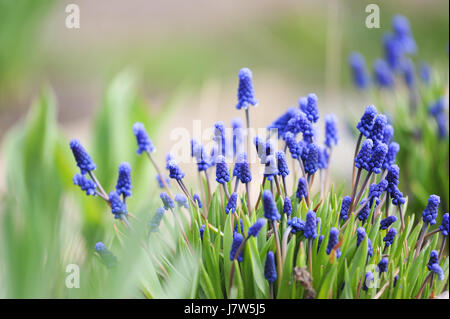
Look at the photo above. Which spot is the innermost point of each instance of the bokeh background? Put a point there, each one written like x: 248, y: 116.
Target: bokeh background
x: 165, y: 63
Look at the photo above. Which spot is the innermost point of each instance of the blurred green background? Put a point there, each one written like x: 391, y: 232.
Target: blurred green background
x: 164, y: 63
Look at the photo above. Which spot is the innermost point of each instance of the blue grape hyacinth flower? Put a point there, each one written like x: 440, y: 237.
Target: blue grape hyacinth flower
x: 375, y: 192
x: 312, y: 158
x: 367, y: 279
x: 390, y: 236
x: 365, y: 124
x: 118, y: 208
x: 144, y: 143
x: 220, y: 137
x: 292, y: 145
x: 83, y: 159
x: 156, y: 220
x: 384, y: 78
x: 309, y: 106
x: 237, y: 240
x: 324, y: 157
x: 430, y: 213
x: 159, y: 180
x: 302, y: 189
x: 397, y: 197
x: 444, y: 226
x: 287, y: 206
x: 174, y: 171
x: 246, y: 94
x: 377, y: 131
x: 270, y: 208
x: 377, y: 158
x: 202, y: 231
x: 333, y: 239
x: 181, y: 200
x: 106, y: 256
x: 310, y: 229
x: 392, y: 177
x: 201, y: 158
x: 393, y: 51
x: 167, y: 201
x: 361, y: 77
x: 402, y: 31
x: 296, y: 224
x: 382, y: 265
x: 363, y: 156
x: 407, y: 68
x: 271, y: 168
x: 433, y: 264
x: 270, y: 272
x: 331, y: 131
x: 345, y: 206
x: 123, y: 186
x: 364, y: 213
x: 198, y: 200
x: 389, y: 160
x: 222, y: 175
x: 283, y: 168
x: 256, y: 227
x: 387, y: 222
x: 85, y: 184
x: 388, y: 134
x: 245, y: 175
x: 232, y: 203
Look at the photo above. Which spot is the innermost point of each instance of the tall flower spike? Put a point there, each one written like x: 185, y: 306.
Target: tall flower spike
x: 333, y: 239
x: 85, y: 184
x: 123, y: 186
x: 382, y: 265
x: 323, y: 157
x: 270, y: 209
x: 237, y: 240
x: 312, y: 158
x: 283, y: 168
x: 388, y: 134
x: 299, y: 123
x: 393, y: 51
x: 174, y: 171
x: 360, y: 234
x: 220, y: 137
x: 232, y: 202
x: 238, y: 135
x: 193, y: 144
x: 377, y: 158
x: 402, y: 32
x: 438, y: 271
x: 430, y: 213
x: 331, y: 131
x: 302, y: 189
x: 392, y: 177
x: 169, y: 158
x: 117, y: 206
x: 246, y: 94
x: 390, y: 236
x: 377, y: 131
x: 397, y: 197
x: 201, y: 157
x: 365, y: 124
x: 364, y: 213
x: 363, y: 157
x: 375, y: 192
x: 287, y: 207
x: 384, y: 78
x: 144, y: 143
x: 270, y: 272
x: 387, y: 222
x: 292, y: 145
x: 154, y: 223
x: 309, y: 106
x: 181, y: 200
x: 84, y: 161
x: 361, y: 77
x: 391, y: 155
x: 198, y: 200
x: 271, y: 168
x: 344, y: 208
x: 222, y: 175
x: 281, y: 122
x: 167, y: 201
x: 367, y: 279
x: 310, y: 230
x: 297, y: 225
x: 256, y: 227
x: 202, y: 231
x: 245, y: 175
x: 434, y: 258
x: 433, y: 264
x: 444, y: 227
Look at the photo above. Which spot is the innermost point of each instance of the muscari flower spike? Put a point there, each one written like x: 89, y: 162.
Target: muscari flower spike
x: 444, y: 226
x: 118, y: 208
x: 310, y: 229
x: 85, y: 184
x: 332, y: 240
x: 281, y: 122
x: 238, y: 135
x: 237, y: 240
x: 363, y: 157
x: 245, y: 175
x: 232, y: 202
x: 287, y: 206
x: 198, y: 200
x: 202, y: 231
x: 392, y: 177
x: 220, y: 138
x: 167, y: 201
x: 302, y: 189
x: 397, y: 197
x: 382, y: 265
x: 377, y: 131
x: 361, y: 77
x: 431, y: 211
x: 169, y: 158
x: 292, y: 145
x: 319, y: 242
x: 271, y: 168
x: 323, y: 158
x: 388, y: 133
x: 312, y: 158
x: 377, y: 158
x: 402, y: 31
x: 282, y: 165
x: 270, y: 209
x: 296, y: 224
x: 364, y: 213
x: 331, y: 131
x: 391, y: 155
x: 393, y: 51
x: 123, y: 186
x: 246, y: 94
x: 365, y: 124
x: 256, y: 227
x: 107, y: 257
x: 375, y: 192
x: 309, y: 106
x: 368, y: 278
x: 384, y: 78
x: 83, y: 159
x: 181, y: 200
x: 433, y: 264
x: 407, y: 68
x: 270, y: 272
x: 160, y: 183
x: 387, y: 222
x: 239, y: 224
x: 145, y: 144
x: 300, y: 123
x: 222, y: 175
x: 390, y: 236
x: 174, y: 171
x: 156, y: 220
x: 345, y: 206
x: 360, y: 234
x: 201, y: 157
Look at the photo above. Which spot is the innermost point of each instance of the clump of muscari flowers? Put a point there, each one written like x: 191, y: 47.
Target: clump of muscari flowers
x: 285, y: 239
x: 106, y: 256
